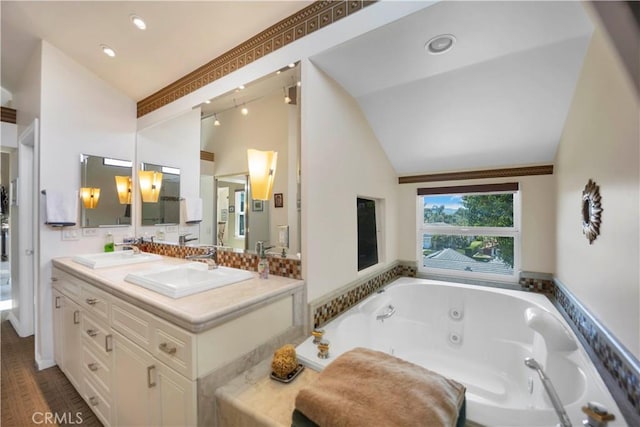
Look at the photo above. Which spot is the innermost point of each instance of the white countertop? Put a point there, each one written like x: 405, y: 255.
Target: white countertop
x: 195, y: 313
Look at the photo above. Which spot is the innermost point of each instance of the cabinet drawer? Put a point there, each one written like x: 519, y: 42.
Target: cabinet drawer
x: 97, y: 369
x: 95, y: 301
x: 133, y: 323
x: 66, y: 283
x: 98, y: 403
x: 97, y: 336
x: 174, y: 347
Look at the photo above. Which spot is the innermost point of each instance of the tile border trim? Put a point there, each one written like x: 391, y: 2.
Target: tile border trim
x: 617, y: 366
x: 327, y: 308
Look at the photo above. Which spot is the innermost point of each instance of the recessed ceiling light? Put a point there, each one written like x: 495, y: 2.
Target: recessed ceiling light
x: 241, y: 87
x: 208, y: 101
x: 138, y: 22
x: 107, y: 50
x: 440, y: 44
x: 292, y: 65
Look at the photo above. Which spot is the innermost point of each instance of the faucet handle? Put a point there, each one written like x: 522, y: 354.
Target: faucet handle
x: 323, y: 349
x: 317, y: 334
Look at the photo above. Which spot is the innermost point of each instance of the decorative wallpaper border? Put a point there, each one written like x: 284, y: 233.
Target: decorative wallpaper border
x: 300, y: 24
x: 285, y: 267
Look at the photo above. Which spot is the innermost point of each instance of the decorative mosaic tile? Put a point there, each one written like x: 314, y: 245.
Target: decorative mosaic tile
x: 622, y: 367
x: 285, y: 267
x: 341, y: 303
x: 537, y: 285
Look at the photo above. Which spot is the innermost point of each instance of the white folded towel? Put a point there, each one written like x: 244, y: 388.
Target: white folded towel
x: 192, y: 209
x: 61, y: 207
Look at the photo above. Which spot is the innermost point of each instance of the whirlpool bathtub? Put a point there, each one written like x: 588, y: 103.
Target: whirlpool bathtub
x: 480, y: 337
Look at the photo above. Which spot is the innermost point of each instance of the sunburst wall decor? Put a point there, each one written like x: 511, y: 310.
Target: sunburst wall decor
x: 591, y: 211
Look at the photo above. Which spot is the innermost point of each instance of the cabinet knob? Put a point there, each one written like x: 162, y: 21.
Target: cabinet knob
x: 94, y: 401
x: 58, y: 302
x: 92, y: 332
x: 54, y: 279
x: 93, y: 367
x: 92, y: 301
x: 167, y: 348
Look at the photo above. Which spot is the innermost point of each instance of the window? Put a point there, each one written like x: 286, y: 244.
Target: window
x: 470, y: 231
x: 239, y: 212
x: 367, y: 233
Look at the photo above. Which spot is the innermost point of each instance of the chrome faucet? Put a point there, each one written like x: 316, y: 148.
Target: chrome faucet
x: 129, y: 245
x: 391, y: 310
x: 182, y: 239
x: 551, y: 392
x: 210, y: 257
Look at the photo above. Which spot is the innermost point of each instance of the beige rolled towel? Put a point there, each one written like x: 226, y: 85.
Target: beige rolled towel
x: 368, y: 388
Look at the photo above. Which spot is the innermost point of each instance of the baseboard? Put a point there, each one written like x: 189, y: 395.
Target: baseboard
x: 44, y: 364
x: 17, y: 326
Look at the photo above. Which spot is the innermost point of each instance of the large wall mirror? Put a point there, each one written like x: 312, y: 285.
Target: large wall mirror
x: 103, y: 176
x: 166, y: 209
x: 263, y: 115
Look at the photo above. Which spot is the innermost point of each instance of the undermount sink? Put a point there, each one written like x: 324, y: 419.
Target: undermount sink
x: 186, y: 279
x: 112, y: 259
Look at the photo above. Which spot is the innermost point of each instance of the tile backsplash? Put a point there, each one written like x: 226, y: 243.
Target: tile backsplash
x: 286, y: 267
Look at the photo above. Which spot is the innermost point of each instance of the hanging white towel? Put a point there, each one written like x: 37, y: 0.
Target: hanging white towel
x: 61, y: 207
x: 192, y: 209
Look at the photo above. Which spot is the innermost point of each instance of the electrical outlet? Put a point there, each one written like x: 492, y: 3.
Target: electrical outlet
x: 172, y: 229
x: 68, y: 235
x: 89, y: 232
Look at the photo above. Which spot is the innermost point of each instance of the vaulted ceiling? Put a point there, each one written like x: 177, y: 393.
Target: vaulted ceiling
x: 498, y: 98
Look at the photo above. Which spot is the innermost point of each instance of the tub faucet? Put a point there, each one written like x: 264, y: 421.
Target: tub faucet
x: 551, y: 392
x: 391, y: 310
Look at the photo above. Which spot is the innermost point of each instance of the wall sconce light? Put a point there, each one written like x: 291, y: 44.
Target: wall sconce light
x: 90, y: 197
x: 123, y: 185
x: 262, y: 172
x: 150, y: 184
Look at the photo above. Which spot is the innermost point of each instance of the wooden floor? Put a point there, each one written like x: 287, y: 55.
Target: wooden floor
x: 27, y: 395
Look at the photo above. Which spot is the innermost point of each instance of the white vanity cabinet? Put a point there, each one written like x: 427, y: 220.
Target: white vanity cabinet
x: 142, y: 358
x: 115, y: 354
x: 67, y: 337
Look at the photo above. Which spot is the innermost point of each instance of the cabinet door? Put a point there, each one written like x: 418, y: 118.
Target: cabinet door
x: 72, y: 342
x: 58, y: 325
x: 176, y: 402
x: 134, y: 384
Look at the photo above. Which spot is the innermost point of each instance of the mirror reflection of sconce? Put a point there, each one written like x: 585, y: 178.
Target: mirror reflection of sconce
x: 262, y: 172
x: 123, y: 185
x: 90, y: 197
x: 150, y: 184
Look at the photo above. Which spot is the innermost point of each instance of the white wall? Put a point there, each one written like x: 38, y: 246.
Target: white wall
x: 341, y: 159
x: 80, y: 113
x: 600, y: 142
x: 537, y: 195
